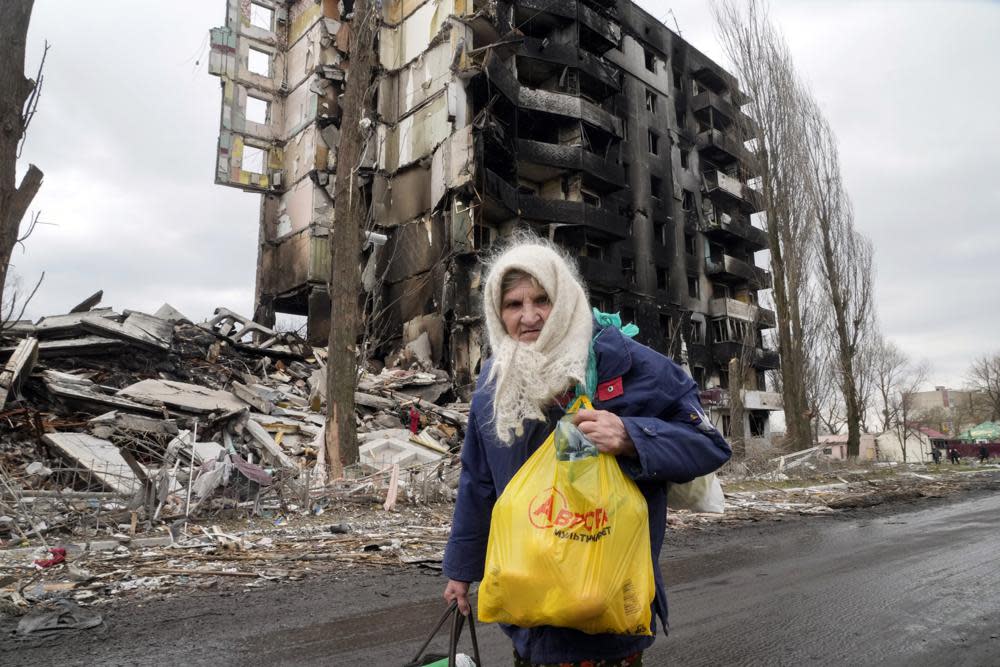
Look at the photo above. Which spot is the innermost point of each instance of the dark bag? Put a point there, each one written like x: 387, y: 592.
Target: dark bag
x: 457, y: 620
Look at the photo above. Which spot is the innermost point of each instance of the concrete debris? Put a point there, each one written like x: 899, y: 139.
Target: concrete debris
x: 120, y: 423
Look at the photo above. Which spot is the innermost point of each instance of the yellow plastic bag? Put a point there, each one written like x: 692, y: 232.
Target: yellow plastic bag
x: 569, y: 547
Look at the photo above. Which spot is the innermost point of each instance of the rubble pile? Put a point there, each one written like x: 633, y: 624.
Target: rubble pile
x: 123, y: 423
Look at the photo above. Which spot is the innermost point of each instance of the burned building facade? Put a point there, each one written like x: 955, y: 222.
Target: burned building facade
x: 588, y: 121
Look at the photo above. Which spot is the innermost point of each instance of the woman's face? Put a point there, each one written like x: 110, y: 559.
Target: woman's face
x: 524, y: 308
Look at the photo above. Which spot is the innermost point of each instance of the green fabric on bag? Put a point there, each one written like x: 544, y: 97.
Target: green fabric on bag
x: 604, y: 320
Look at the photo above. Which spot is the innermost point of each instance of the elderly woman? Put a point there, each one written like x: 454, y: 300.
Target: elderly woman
x: 546, y: 345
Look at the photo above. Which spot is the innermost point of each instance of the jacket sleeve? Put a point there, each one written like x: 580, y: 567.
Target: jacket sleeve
x: 677, y: 446
x: 465, y: 555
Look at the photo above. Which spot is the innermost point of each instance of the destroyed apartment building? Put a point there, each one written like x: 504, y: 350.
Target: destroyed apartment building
x: 587, y: 121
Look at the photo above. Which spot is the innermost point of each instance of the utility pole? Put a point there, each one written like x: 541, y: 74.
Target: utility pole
x: 350, y: 212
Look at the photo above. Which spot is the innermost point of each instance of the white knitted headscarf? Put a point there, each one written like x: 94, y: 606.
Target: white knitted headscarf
x: 529, y: 375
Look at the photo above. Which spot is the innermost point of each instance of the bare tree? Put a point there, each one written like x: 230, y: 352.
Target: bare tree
x: 906, y: 420
x: 845, y: 263
x: 764, y: 67
x: 18, y: 100
x: 984, y: 375
x: 889, y: 368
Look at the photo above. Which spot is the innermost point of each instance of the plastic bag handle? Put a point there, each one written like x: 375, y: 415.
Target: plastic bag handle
x: 581, y: 401
x: 458, y: 619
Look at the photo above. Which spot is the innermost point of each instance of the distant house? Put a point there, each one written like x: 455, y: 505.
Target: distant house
x: 834, y: 446
x: 918, y: 445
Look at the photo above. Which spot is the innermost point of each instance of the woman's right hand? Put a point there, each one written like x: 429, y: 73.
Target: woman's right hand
x: 458, y: 591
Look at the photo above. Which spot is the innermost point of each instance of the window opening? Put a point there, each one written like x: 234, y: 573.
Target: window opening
x: 694, y: 290
x: 261, y: 16
x: 654, y: 143
x: 259, y: 62
x: 650, y: 59
x: 253, y: 159
x: 256, y: 111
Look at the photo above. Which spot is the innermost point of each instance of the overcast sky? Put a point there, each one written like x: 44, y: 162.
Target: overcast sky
x: 128, y: 122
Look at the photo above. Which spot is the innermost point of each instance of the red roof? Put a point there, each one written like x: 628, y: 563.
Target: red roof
x: 932, y: 434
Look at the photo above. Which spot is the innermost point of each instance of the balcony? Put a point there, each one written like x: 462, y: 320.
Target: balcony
x: 594, y: 218
x: 538, y: 209
x: 730, y: 229
x: 595, y: 72
x: 731, y: 190
x: 721, y: 148
x: 598, y: 34
x: 760, y: 358
x: 601, y: 273
x: 546, y: 101
x: 721, y: 113
x: 764, y: 317
x: 728, y: 268
x: 542, y: 161
x: 753, y: 399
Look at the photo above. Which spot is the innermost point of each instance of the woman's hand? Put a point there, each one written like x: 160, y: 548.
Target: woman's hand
x: 606, y: 430
x: 458, y: 590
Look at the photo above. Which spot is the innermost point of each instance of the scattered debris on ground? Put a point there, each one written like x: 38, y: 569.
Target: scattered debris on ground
x: 128, y: 422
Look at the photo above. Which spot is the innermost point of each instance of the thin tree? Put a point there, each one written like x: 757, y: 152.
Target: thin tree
x: 18, y: 100
x: 763, y: 64
x: 984, y: 375
x: 350, y: 214
x: 906, y: 420
x: 845, y: 262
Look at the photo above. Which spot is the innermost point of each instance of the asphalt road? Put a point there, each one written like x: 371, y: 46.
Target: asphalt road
x: 916, y: 584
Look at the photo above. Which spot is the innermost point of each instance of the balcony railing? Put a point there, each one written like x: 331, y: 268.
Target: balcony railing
x: 539, y: 209
x: 563, y: 104
x: 729, y: 267
x: 752, y: 399
x: 722, y: 113
x: 734, y: 228
x: 758, y: 358
x: 571, y: 158
x: 601, y: 273
x: 722, y: 148
x: 764, y: 317
x: 721, y: 185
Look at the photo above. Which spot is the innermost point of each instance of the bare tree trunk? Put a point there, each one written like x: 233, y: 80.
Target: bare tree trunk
x: 346, y: 242
x: 15, y: 90
x: 764, y: 67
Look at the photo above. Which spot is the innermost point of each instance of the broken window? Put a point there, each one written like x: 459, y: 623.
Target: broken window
x: 650, y: 59
x: 590, y: 198
x: 253, y: 159
x: 758, y: 424
x: 624, y: 129
x: 694, y: 289
x: 662, y: 278
x: 698, y: 374
x: 261, y: 16
x: 482, y: 236
x: 256, y: 111
x: 602, y: 302
x: 660, y: 232
x: 697, y: 332
x: 720, y: 291
x: 720, y: 333
x: 727, y: 422
x: 685, y: 158
x: 593, y: 250
x: 724, y: 378
x: 259, y: 62
x: 650, y: 101
x: 666, y: 325
x: 654, y: 143
x: 687, y: 200
x: 677, y: 78
x: 655, y: 186
x: 690, y: 244
x: 681, y: 117
x: 628, y: 269
x: 628, y: 314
